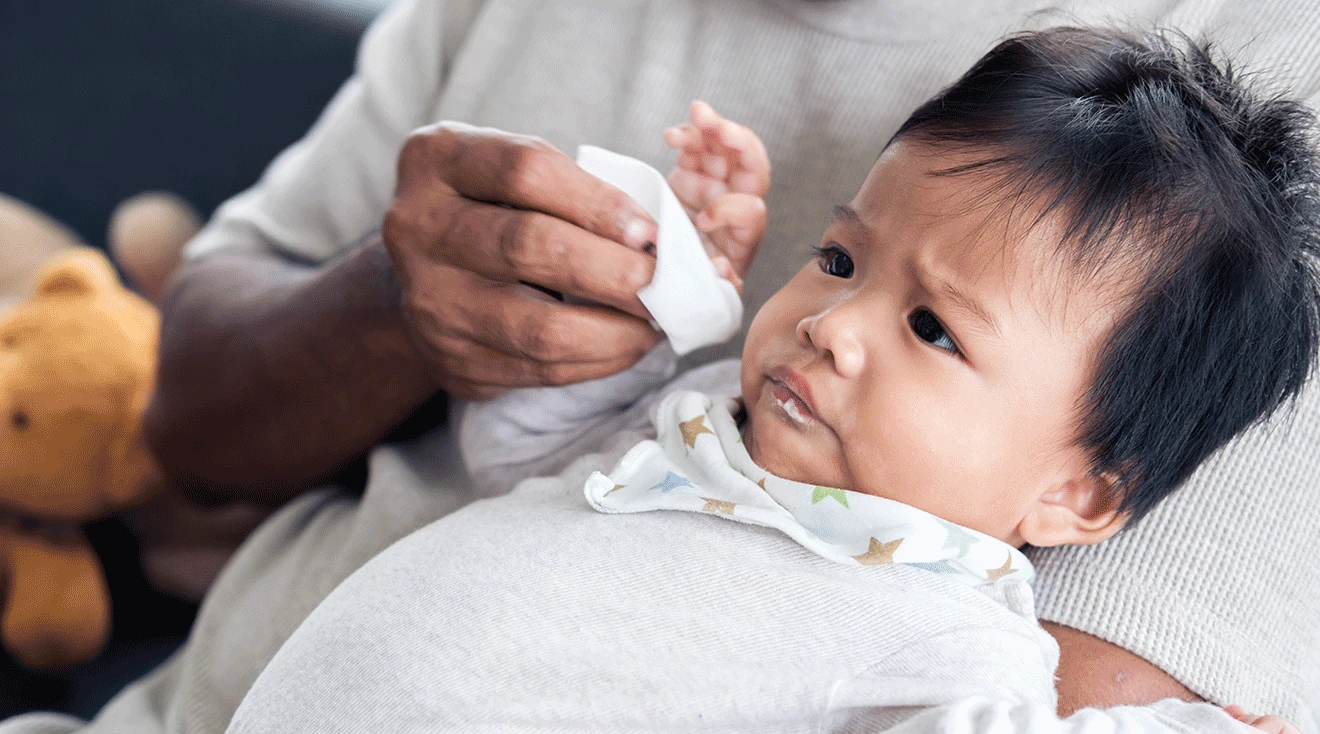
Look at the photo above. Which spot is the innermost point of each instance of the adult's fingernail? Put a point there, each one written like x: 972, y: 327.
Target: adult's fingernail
x: 634, y: 234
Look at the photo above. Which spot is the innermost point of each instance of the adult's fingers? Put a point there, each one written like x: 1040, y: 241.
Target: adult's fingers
x: 508, y: 245
x: 526, y: 173
x: 474, y: 370
x: 452, y: 304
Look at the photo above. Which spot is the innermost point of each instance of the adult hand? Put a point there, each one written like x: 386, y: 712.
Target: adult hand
x: 478, y: 215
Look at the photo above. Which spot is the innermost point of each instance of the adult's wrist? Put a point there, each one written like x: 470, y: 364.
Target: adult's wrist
x: 273, y: 375
x: 391, y: 315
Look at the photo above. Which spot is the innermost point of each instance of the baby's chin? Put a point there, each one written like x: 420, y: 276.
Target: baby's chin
x: 767, y: 444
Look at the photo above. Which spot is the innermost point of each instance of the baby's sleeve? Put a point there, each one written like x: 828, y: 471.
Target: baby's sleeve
x: 993, y: 680
x: 536, y: 431
x: 984, y: 715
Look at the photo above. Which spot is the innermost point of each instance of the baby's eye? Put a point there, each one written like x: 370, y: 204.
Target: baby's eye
x: 834, y: 261
x: 929, y: 329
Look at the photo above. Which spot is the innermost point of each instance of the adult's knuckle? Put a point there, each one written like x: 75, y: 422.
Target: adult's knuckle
x: 530, y: 168
x: 531, y: 338
x: 442, y: 138
x: 424, y: 149
x: 394, y: 229
x: 544, y: 339
x: 456, y: 225
x: 553, y: 373
x: 414, y: 152
x: 518, y: 238
x: 438, y: 309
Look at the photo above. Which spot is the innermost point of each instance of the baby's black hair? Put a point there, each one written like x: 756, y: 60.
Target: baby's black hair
x: 1153, y: 155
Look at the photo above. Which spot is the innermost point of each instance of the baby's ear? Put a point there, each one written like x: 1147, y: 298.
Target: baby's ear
x: 1077, y: 510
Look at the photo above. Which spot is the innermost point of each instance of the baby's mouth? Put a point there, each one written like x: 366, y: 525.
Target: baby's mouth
x: 790, y: 403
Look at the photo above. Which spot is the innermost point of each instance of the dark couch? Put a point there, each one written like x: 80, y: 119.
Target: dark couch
x: 106, y: 98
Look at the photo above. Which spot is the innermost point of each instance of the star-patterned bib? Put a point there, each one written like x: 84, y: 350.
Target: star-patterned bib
x: 698, y: 464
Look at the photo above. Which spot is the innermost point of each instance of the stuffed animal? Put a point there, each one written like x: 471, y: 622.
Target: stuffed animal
x: 77, y: 367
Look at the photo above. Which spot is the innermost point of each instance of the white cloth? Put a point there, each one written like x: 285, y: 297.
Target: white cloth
x: 1198, y: 588
x: 854, y: 614
x: 687, y: 298
x: 697, y: 463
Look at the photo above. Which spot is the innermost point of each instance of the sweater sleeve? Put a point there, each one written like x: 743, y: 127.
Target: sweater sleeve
x: 983, y: 715
x: 539, y: 431
x: 329, y: 191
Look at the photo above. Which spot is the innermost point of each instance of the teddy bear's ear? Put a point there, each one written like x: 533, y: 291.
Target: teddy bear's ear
x: 81, y: 271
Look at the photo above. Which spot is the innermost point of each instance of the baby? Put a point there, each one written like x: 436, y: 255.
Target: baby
x: 1068, y: 279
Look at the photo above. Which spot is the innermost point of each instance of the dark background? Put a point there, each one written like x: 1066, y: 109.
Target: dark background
x: 102, y: 99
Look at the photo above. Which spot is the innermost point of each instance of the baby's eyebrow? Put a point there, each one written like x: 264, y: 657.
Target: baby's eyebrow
x: 968, y: 304
x: 847, y: 213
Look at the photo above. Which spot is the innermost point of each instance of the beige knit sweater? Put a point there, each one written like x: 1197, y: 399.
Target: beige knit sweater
x: 1221, y: 587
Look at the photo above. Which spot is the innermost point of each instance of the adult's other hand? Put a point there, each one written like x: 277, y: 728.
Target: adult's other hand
x: 479, y: 215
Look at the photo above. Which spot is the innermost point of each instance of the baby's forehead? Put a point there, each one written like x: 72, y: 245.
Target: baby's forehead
x: 978, y: 233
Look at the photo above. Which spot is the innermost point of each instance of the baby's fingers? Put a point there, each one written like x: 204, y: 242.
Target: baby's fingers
x: 695, y: 190
x: 742, y: 216
x: 726, y: 270
x: 685, y: 138
x: 694, y: 154
x: 1274, y: 725
x: 739, y: 211
x: 748, y: 168
x: 1267, y: 724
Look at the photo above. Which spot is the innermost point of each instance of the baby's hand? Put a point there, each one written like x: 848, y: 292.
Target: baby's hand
x: 722, y: 175
x: 1268, y: 724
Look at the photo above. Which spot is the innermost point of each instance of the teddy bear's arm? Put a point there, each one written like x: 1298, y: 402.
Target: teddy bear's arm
x: 57, y: 607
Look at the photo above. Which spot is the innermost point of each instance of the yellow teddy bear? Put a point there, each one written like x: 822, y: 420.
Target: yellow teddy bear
x: 77, y: 366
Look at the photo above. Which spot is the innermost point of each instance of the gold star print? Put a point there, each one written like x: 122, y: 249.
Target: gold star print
x: 693, y: 428
x: 998, y: 573
x: 879, y: 554
x: 717, y: 506
x: 760, y: 483
x: 617, y: 487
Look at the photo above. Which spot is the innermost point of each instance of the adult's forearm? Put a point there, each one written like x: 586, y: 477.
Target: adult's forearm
x: 273, y: 376
x: 1094, y: 673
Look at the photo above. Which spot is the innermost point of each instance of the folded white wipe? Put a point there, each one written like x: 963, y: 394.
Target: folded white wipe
x: 688, y: 299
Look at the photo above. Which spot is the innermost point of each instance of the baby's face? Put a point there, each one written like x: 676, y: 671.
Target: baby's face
x: 932, y: 355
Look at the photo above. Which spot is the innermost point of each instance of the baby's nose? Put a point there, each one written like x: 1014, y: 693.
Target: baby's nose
x: 834, y: 334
